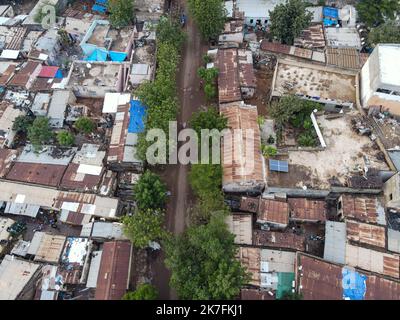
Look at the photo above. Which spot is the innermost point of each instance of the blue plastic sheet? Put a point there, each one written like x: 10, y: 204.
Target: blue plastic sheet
x: 354, y: 284
x: 331, y: 12
x: 98, y: 8
x: 137, y: 113
x: 98, y: 55
x: 117, y: 56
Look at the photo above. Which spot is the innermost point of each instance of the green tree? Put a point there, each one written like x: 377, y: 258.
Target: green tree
x: 22, y: 123
x: 85, y: 125
x: 208, y: 119
x: 289, y: 19
x: 269, y: 151
x: 209, y: 15
x: 203, y: 264
x: 376, y: 12
x: 205, y: 178
x: 144, y: 291
x: 388, y: 32
x: 144, y: 226
x: 306, y: 139
x: 208, y: 75
x: 121, y: 12
x: 150, y: 192
x: 65, y: 138
x: 39, y: 132
x: 169, y: 31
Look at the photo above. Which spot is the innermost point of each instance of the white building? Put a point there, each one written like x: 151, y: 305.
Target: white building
x: 257, y: 11
x: 380, y: 79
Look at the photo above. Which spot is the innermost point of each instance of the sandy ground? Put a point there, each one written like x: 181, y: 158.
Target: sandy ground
x: 328, y: 85
x: 344, y: 152
x: 176, y: 176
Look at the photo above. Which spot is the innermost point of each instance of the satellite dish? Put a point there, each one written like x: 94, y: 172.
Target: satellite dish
x: 88, y: 65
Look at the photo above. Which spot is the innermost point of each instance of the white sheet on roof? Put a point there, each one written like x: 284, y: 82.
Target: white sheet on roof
x: 89, y: 169
x: 10, y: 54
x: 112, y: 100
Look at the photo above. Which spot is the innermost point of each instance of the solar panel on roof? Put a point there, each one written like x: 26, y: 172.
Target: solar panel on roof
x: 278, y: 165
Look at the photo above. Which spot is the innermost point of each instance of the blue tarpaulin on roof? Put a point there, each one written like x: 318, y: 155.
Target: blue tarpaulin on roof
x: 98, y: 8
x: 117, y: 56
x: 354, y: 284
x: 137, y: 114
x: 98, y: 55
x: 59, y: 74
x: 331, y: 12
x: 329, y: 22
x: 103, y: 2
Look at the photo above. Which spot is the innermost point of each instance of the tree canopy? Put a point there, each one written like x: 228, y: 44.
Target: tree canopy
x: 150, y: 192
x: 209, y: 15
x: 39, y: 132
x: 208, y: 119
x: 376, y: 12
x: 85, y: 125
x: 121, y: 12
x: 203, y: 264
x: 22, y: 123
x: 144, y: 226
x: 169, y: 31
x: 388, y: 32
x: 144, y: 291
x: 288, y: 20
x: 65, y: 138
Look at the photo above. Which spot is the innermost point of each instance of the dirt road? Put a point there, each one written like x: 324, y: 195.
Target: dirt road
x: 176, y: 176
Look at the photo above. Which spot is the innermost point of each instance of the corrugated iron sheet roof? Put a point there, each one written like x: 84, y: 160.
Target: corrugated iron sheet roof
x: 372, y: 260
x: 7, y: 74
x: 360, y: 208
x: 286, y: 240
x: 311, y: 38
x: 228, y: 77
x: 44, y: 174
x: 366, y: 233
x: 241, y: 226
x: 273, y: 211
x: 22, y: 77
x: 246, y: 168
x: 6, y: 160
x: 322, y: 280
x: 307, y: 209
x: 249, y: 204
x: 72, y: 180
x: 50, y: 248
x: 250, y: 259
x: 348, y: 58
x: 113, y: 277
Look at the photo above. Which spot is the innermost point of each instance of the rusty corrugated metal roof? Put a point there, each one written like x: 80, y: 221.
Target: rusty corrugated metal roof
x: 7, y: 74
x: 348, y: 58
x: 228, y: 77
x: 22, y: 77
x: 360, y: 208
x: 238, y: 165
x: 273, y: 211
x: 250, y: 258
x: 366, y: 233
x: 286, y: 240
x: 249, y: 204
x: 44, y: 174
x: 74, y: 181
x: 113, y: 277
x: 311, y: 38
x: 307, y: 209
x: 6, y: 160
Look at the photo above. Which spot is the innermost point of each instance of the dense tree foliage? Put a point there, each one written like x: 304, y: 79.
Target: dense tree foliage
x: 121, y: 12
x: 289, y: 19
x: 144, y: 291
x: 150, y: 192
x: 291, y: 110
x: 388, y: 32
x: 65, y: 138
x: 209, y: 76
x: 203, y: 264
x: 85, y: 125
x: 209, y: 15
x: 160, y: 95
x: 39, y: 132
x: 208, y: 119
x: 144, y: 226
x: 22, y: 123
x: 376, y: 12
x: 168, y: 31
